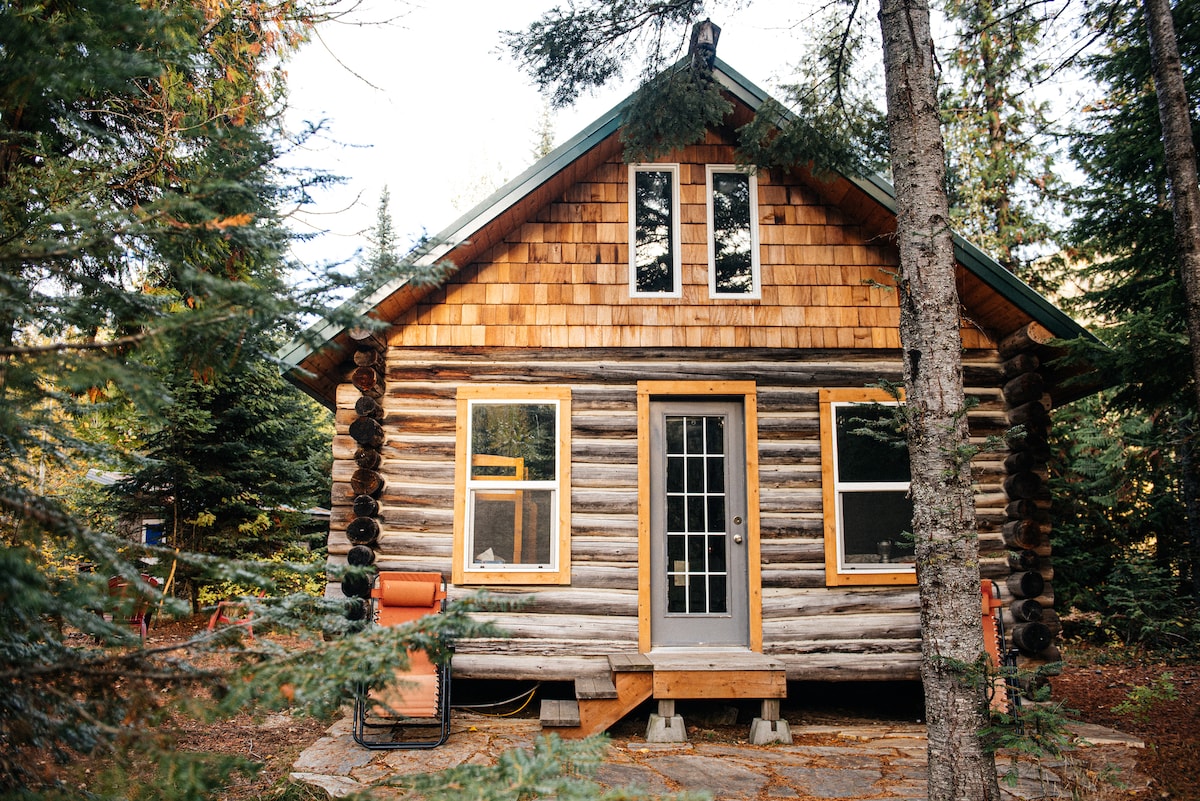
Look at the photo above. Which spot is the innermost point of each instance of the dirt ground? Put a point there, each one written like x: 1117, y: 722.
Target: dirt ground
x: 1099, y: 693
x: 1093, y: 688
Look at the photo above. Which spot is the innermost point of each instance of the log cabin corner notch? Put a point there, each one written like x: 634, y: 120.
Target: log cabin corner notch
x: 631, y: 430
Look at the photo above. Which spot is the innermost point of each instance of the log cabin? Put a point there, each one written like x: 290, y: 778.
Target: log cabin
x: 638, y: 401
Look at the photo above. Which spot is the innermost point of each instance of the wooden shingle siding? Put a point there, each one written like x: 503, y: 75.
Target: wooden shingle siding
x: 807, y: 625
x: 561, y: 279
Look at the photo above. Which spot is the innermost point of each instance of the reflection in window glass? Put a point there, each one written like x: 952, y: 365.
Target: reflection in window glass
x: 654, y: 246
x: 734, y: 272
x: 732, y: 245
x: 513, y: 484
x: 872, y: 482
x: 697, y: 538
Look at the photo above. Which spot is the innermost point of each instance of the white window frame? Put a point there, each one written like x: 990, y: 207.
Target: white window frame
x: 755, y: 292
x: 557, y: 570
x: 676, y: 250
x: 837, y: 570
x: 147, y: 524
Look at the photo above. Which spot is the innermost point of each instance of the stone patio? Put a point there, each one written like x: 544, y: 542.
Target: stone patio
x: 882, y: 762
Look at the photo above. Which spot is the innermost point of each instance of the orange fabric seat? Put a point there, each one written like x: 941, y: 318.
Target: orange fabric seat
x: 1001, y: 694
x: 420, y: 696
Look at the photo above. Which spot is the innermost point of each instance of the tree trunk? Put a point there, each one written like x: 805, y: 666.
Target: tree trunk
x: 947, y: 549
x: 1173, y: 112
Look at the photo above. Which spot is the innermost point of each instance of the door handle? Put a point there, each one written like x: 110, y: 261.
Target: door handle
x: 737, y: 538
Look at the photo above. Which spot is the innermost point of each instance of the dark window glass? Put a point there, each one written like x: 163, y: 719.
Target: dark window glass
x: 732, y: 247
x: 654, y: 231
x: 514, y: 440
x: 870, y: 446
x: 718, y: 603
x: 716, y: 553
x: 716, y: 513
x: 876, y: 526
x: 675, y: 474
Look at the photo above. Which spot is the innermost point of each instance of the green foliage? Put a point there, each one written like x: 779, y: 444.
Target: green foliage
x: 1123, y: 222
x: 1036, y: 727
x: 1142, y: 700
x: 1141, y: 606
x: 586, y: 45
x: 1000, y: 150
x: 672, y: 110
x: 141, y: 269
x: 232, y: 463
x: 832, y: 120
x: 553, y: 768
x: 383, y: 256
x: 1129, y: 537
x: 289, y: 570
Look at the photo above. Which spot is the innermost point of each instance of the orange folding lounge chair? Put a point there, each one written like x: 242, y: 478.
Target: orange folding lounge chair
x: 1003, y: 694
x: 420, y: 698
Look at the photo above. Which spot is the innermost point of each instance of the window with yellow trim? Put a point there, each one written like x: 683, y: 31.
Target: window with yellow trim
x: 513, y: 488
x: 865, y: 476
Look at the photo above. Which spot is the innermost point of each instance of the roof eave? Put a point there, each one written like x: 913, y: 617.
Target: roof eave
x: 461, y: 230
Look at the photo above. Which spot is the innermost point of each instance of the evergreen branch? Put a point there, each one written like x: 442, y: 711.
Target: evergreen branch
x: 111, y: 344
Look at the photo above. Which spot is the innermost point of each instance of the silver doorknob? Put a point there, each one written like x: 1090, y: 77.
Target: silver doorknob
x: 737, y: 538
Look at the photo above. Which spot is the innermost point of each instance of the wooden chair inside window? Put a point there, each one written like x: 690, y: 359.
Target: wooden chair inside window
x: 514, y: 469
x: 419, y: 700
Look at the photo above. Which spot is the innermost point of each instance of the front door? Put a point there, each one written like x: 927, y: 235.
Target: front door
x: 699, y: 583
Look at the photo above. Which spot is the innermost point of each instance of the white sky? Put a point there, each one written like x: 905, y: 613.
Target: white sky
x: 440, y: 105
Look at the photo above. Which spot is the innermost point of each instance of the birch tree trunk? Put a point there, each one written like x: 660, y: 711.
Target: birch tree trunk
x: 1173, y: 112
x: 947, y: 550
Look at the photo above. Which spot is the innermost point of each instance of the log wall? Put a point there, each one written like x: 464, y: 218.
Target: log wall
x: 544, y: 299
x: 829, y: 634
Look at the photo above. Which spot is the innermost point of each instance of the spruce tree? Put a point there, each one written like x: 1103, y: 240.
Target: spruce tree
x: 1124, y: 231
x: 1001, y: 154
x: 142, y: 256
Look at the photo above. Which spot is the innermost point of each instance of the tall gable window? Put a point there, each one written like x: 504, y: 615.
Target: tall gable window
x: 733, y: 261
x: 654, y: 259
x: 865, y: 485
x: 512, y: 486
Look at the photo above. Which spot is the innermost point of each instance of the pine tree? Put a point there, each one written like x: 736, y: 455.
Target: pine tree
x: 141, y: 255
x: 1180, y: 152
x: 1124, y: 230
x: 1001, y: 161
x: 383, y: 253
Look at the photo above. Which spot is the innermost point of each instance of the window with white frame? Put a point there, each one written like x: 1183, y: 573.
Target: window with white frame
x: 733, y: 260
x: 513, y: 485
x: 153, y: 531
x: 866, y: 478
x: 654, y: 255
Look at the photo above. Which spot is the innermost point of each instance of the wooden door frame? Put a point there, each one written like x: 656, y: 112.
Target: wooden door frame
x: 747, y: 392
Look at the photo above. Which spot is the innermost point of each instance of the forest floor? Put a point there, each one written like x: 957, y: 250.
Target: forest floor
x: 1153, y: 699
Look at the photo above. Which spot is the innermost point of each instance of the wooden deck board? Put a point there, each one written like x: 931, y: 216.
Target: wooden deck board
x: 630, y: 663
x: 595, y: 687
x: 559, y: 714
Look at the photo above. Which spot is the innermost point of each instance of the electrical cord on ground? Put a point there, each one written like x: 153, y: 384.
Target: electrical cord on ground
x: 528, y: 696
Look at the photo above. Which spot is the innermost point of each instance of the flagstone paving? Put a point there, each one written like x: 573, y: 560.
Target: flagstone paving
x: 881, y: 762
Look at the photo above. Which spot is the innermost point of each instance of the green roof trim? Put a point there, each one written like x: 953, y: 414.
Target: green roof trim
x: 879, y: 189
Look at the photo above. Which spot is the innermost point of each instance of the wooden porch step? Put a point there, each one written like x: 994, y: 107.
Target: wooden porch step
x: 724, y: 675
x: 602, y: 700
x: 601, y: 686
x: 596, y: 706
x: 559, y: 714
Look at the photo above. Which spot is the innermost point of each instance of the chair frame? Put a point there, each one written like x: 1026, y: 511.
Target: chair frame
x: 362, y: 700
